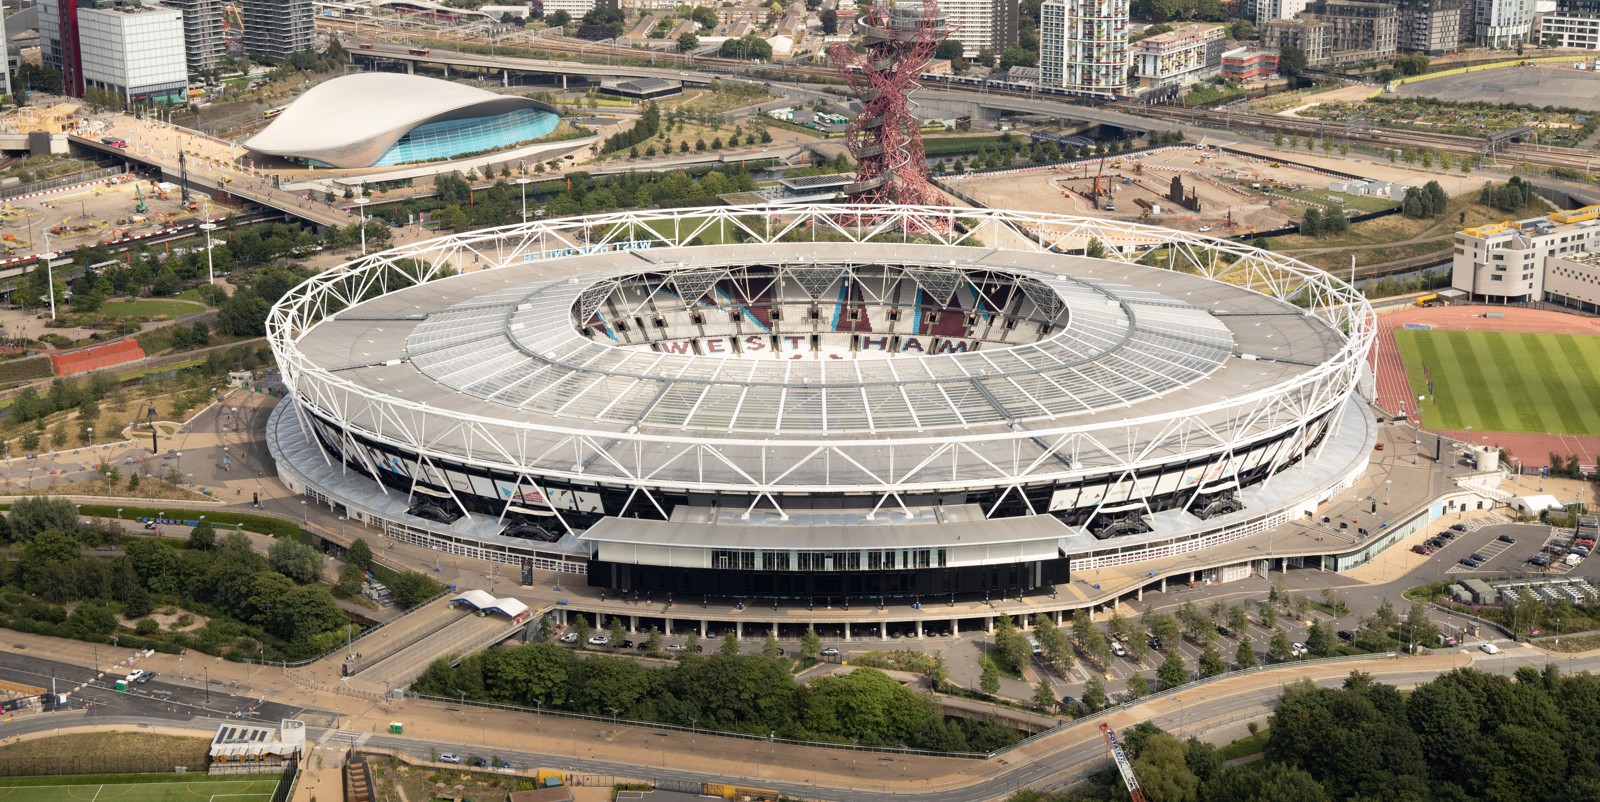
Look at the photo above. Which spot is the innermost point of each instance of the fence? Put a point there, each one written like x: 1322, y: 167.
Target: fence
x: 85, y: 177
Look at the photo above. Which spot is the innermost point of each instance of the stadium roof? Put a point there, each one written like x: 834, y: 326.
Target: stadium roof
x: 352, y: 121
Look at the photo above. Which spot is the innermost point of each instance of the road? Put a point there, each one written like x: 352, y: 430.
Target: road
x: 91, y: 691
x: 1053, y: 761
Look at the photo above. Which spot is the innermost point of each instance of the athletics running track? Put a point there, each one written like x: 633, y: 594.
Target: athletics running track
x: 1394, y: 391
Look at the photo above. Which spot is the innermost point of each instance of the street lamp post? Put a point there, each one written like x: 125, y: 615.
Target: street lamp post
x: 361, y: 212
x: 523, y: 183
x: 211, y: 272
x: 50, y: 274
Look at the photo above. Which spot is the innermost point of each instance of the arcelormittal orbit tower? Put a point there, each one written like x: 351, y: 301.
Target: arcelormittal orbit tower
x: 900, y: 39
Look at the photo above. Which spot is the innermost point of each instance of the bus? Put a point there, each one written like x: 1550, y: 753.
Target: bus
x: 420, y: 51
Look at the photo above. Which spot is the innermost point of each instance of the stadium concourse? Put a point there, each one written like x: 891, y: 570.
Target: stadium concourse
x: 1395, y: 393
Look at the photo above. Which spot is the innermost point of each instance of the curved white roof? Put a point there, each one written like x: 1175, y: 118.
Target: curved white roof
x: 353, y: 120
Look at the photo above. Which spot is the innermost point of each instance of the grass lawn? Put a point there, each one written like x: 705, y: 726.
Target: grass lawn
x: 1502, y: 382
x: 711, y: 236
x: 1363, y: 203
x: 150, y: 307
x: 140, y: 788
x: 1248, y: 745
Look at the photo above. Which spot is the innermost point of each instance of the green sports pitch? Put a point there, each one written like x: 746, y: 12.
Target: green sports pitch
x: 1504, y: 382
x: 147, y: 788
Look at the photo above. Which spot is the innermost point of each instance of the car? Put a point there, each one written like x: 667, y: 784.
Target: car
x: 831, y: 651
x: 1118, y: 649
x: 570, y: 637
x: 1539, y: 560
x: 501, y: 763
x: 675, y: 647
x: 1346, y: 635
x: 478, y: 762
x: 625, y: 644
x: 136, y: 675
x: 1478, y: 556
x: 644, y: 646
x: 1155, y: 643
x: 1436, y: 542
x: 1458, y: 527
x: 1299, y: 649
x: 448, y: 757
x: 1468, y: 562
x: 1204, y: 229
x: 1422, y: 548
x: 1489, y: 648
x: 1506, y: 539
x: 144, y: 676
x: 599, y: 640
x: 1224, y: 631
x: 114, y: 142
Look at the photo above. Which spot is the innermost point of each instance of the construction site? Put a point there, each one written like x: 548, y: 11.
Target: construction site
x: 1193, y: 188
x: 106, y: 210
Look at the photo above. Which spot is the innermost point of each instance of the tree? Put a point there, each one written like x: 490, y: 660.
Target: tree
x: 1164, y: 626
x: 730, y: 644
x: 687, y: 42
x: 1089, y: 637
x: 989, y: 676
x: 1241, y: 29
x: 580, y: 626
x: 203, y: 537
x: 1239, y: 620
x: 1291, y: 60
x: 1053, y: 643
x: 1245, y: 655
x: 1095, y: 249
x: 1211, y: 662
x: 691, y: 645
x: 950, y: 49
x: 771, y: 649
x: 33, y: 515
x: 830, y: 21
x: 360, y: 554
x: 617, y: 631
x: 297, y: 561
x: 1311, y: 222
x: 1094, y: 694
x: 653, y: 644
x: 1277, y: 139
x: 1318, y: 639
x: 1278, y: 649
x: 1419, y: 629
x: 810, y: 644
x: 1163, y: 770
x: 1018, y: 56
x: 704, y: 16
x: 1043, y: 695
x: 1172, y: 672
x: 1138, y: 686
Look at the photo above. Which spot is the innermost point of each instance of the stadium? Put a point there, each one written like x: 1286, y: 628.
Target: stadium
x: 823, y: 402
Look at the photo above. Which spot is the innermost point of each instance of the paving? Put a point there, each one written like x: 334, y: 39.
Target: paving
x: 1533, y: 86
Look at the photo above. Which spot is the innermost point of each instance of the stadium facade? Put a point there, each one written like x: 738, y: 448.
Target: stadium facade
x: 943, y: 403
x: 358, y: 121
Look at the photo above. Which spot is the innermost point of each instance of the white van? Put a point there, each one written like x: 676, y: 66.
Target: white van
x: 1489, y: 648
x: 1034, y: 643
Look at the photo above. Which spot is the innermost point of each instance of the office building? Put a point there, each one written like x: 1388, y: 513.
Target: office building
x: 1179, y: 57
x: 1503, y: 23
x: 1083, y: 46
x: 58, y: 42
x: 133, y: 51
x: 274, y: 29
x: 574, y: 8
x: 202, y: 32
x: 1434, y: 27
x: 982, y: 24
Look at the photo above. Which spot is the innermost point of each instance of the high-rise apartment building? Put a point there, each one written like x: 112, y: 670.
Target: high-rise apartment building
x: 1083, y: 46
x: 275, y: 29
x: 1269, y: 10
x: 202, y: 32
x: 1504, y: 23
x: 982, y: 24
x: 1434, y: 27
x: 1179, y: 57
x: 133, y: 51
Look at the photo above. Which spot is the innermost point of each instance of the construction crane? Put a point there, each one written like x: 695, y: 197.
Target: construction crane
x: 1135, y: 793
x: 141, y: 207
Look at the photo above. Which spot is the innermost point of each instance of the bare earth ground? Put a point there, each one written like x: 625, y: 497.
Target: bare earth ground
x: 1394, y: 391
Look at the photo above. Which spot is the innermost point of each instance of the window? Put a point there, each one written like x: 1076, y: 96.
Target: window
x: 1495, y: 277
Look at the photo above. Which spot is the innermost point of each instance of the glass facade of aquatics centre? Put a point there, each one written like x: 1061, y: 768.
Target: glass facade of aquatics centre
x: 448, y: 139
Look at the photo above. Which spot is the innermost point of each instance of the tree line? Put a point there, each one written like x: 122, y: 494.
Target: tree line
x: 731, y: 692
x: 255, y: 605
x: 1465, y: 735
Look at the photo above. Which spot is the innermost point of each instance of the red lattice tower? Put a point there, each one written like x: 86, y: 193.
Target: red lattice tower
x: 891, y: 166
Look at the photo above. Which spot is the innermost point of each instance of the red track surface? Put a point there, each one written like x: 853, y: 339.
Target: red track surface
x: 1394, y: 391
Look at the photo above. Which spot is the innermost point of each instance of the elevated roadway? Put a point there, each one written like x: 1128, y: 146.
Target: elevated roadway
x: 229, y: 180
x: 369, y: 52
